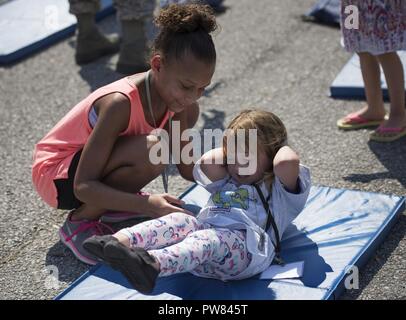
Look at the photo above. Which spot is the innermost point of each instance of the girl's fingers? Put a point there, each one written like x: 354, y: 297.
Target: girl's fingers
x: 173, y: 199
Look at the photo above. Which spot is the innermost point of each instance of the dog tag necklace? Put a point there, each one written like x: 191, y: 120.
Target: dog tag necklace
x: 164, y: 175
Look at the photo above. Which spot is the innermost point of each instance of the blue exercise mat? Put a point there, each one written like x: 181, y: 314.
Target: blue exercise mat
x: 337, y: 228
x: 349, y: 83
x: 28, y: 26
x: 326, y: 11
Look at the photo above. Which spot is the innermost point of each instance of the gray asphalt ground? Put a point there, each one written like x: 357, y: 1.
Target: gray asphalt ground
x: 267, y: 58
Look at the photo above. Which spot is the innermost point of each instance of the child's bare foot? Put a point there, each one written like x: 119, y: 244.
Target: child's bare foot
x: 392, y: 129
x: 364, y: 118
x: 395, y: 121
x: 370, y: 114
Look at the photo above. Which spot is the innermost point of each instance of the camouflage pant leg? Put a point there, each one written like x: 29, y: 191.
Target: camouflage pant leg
x: 84, y: 6
x: 134, y: 9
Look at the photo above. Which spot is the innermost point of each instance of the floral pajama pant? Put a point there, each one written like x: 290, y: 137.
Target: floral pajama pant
x: 182, y: 244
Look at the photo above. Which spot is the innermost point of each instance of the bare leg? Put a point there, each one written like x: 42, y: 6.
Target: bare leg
x: 393, y: 69
x: 374, y: 110
x: 128, y: 169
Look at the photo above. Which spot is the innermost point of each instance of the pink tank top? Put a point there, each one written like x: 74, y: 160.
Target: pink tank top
x: 53, y: 154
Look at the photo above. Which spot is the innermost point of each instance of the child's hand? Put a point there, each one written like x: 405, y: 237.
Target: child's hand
x: 162, y: 204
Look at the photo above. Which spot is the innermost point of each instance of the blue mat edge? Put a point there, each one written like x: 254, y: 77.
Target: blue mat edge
x: 344, y: 92
x: 78, y: 280
x: 50, y: 40
x: 316, y: 12
x: 363, y: 257
x: 338, y: 288
x: 353, y: 93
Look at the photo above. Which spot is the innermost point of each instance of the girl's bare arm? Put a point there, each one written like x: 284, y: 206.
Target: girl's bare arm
x: 187, y: 120
x: 286, y: 167
x: 212, y: 164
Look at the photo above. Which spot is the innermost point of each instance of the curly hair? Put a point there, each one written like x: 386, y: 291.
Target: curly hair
x: 185, y: 29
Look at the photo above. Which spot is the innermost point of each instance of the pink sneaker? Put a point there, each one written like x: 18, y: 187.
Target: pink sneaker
x: 73, y: 233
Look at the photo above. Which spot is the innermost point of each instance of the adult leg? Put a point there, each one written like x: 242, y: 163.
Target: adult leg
x: 133, y: 15
x: 90, y: 43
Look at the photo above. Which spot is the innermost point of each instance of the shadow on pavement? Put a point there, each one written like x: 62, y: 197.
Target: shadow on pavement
x: 69, y: 268
x: 393, y: 158
x: 99, y: 74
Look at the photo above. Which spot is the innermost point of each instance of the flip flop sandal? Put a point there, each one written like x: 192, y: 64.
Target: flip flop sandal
x: 387, y: 134
x: 353, y: 121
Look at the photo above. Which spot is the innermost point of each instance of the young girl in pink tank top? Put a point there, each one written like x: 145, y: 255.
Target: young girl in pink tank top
x: 96, y: 158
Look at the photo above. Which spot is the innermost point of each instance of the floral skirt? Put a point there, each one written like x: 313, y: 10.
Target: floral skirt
x: 381, y: 29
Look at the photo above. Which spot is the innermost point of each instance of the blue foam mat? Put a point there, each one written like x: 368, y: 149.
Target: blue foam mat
x: 337, y: 228
x: 326, y: 11
x: 349, y: 83
x: 29, y: 26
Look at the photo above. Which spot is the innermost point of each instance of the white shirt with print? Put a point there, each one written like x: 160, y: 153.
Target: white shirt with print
x: 239, y: 207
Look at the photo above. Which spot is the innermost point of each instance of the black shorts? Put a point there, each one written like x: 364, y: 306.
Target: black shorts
x: 64, y: 187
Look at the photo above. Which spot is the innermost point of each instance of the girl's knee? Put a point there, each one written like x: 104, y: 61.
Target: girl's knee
x: 141, y: 157
x: 134, y: 153
x: 153, y: 170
